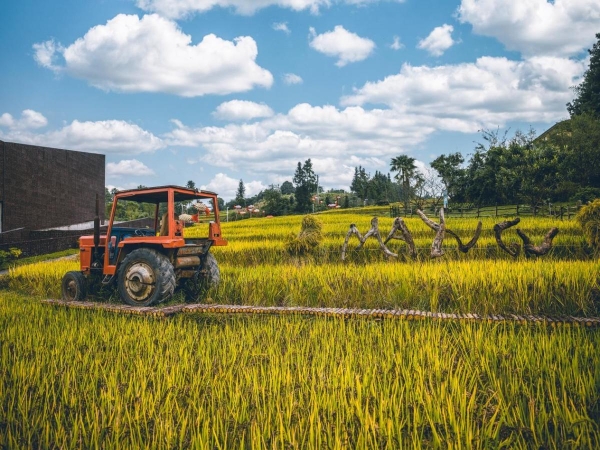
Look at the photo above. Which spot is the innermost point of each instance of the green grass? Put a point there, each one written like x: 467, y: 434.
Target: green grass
x: 33, y: 259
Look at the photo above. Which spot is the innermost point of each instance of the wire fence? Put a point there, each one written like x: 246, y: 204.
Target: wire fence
x: 561, y: 212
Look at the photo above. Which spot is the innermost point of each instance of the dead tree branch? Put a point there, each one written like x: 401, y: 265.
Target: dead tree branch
x: 462, y: 247
x: 373, y: 232
x: 406, y: 236
x: 538, y: 250
x: 514, y: 249
x: 436, y: 246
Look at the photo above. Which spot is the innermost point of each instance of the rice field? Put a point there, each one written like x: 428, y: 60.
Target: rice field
x: 71, y: 379
x: 80, y: 379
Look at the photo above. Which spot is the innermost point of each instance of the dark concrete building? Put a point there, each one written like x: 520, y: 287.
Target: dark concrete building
x: 44, y: 187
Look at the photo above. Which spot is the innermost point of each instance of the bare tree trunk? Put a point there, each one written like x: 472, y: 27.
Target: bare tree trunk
x: 514, y: 249
x: 374, y: 231
x: 462, y: 247
x: 351, y: 231
x: 540, y: 250
x: 406, y: 236
x: 436, y: 246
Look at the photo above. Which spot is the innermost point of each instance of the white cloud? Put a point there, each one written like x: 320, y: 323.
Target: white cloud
x: 152, y: 54
x: 535, y: 27
x: 107, y: 136
x: 438, y: 41
x: 128, y: 167
x: 469, y: 96
x: 396, y: 45
x: 292, y: 78
x: 281, y: 26
x: 30, y: 119
x: 46, y: 52
x: 342, y: 44
x: 242, y: 110
x: 335, y: 140
x: 227, y: 186
x: 181, y: 8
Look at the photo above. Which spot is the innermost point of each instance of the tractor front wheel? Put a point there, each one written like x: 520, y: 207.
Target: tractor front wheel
x: 73, y: 286
x: 145, y: 277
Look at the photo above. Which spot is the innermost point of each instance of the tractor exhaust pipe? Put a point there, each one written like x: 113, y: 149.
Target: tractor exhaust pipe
x: 96, y: 230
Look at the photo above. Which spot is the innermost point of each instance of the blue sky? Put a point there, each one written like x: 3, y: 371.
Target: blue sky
x: 221, y: 90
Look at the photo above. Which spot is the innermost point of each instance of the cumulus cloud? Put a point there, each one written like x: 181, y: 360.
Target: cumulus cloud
x: 182, y: 8
x: 107, y: 136
x: 535, y: 27
x: 335, y: 140
x: 127, y: 167
x: 292, y: 78
x: 488, y: 93
x: 242, y: 110
x: 30, y: 119
x: 227, y: 186
x: 281, y: 26
x: 152, y: 54
x: 342, y: 44
x: 438, y: 41
x: 396, y: 45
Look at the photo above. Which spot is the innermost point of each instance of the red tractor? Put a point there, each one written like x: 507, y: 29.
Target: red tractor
x: 147, y: 264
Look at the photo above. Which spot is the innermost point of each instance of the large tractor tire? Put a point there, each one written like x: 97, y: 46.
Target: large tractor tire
x: 74, y: 286
x: 208, y: 275
x: 145, y: 277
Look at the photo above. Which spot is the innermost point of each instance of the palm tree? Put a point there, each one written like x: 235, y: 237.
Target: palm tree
x: 405, y: 166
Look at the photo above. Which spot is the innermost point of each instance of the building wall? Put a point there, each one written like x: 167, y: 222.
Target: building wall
x: 44, y: 187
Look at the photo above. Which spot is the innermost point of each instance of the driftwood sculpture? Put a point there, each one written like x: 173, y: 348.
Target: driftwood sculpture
x: 399, y: 225
x: 374, y: 231
x: 440, y: 229
x: 435, y: 227
x: 514, y: 249
x: 537, y: 250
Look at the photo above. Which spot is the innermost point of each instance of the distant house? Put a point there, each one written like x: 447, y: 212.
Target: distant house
x: 44, y: 187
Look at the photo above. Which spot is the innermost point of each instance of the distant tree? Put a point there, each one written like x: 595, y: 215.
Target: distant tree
x: 305, y: 182
x: 406, y: 168
x: 191, y: 185
x: 287, y: 188
x: 379, y: 187
x: 360, y: 182
x: 240, y: 194
x: 452, y: 175
x: 275, y: 203
x: 587, y: 93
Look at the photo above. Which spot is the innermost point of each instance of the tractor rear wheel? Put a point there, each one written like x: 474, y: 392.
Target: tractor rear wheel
x: 145, y: 277
x: 208, y: 275
x: 73, y: 286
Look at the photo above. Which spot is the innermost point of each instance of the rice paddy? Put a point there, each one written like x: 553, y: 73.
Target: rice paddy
x: 82, y: 379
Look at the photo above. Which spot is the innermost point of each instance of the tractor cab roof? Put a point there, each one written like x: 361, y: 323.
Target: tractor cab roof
x: 159, y: 194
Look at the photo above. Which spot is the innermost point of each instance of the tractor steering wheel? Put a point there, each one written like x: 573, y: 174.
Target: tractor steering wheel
x: 138, y: 232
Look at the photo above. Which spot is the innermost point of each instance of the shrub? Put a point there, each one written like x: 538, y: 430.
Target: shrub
x: 6, y: 256
x: 585, y: 195
x: 589, y: 219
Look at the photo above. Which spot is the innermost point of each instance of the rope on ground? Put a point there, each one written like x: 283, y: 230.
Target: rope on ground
x: 402, y: 314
